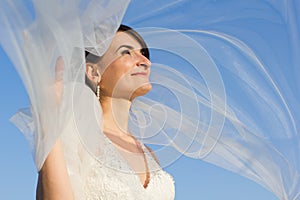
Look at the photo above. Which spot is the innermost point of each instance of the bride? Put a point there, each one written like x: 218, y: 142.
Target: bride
x: 79, y: 125
x: 237, y: 102
x: 117, y: 77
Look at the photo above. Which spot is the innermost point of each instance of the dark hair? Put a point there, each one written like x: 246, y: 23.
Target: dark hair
x: 89, y: 57
x: 137, y: 37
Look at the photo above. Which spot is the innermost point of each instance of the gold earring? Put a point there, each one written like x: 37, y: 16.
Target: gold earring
x: 98, y: 90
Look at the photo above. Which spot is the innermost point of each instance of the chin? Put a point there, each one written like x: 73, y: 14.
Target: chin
x: 144, y: 89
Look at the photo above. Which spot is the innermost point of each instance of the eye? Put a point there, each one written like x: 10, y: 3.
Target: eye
x: 124, y: 52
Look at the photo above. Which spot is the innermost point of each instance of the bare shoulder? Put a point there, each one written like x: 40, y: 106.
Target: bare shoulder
x: 152, y: 153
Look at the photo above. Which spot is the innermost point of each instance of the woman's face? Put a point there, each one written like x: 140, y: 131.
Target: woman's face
x: 125, y: 71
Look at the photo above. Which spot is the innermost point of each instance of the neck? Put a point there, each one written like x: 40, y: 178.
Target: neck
x: 115, y: 114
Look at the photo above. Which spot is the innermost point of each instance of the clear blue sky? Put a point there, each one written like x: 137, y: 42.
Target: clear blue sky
x: 194, y: 179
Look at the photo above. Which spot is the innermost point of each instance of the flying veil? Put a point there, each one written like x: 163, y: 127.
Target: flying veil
x: 224, y: 76
x: 229, y: 70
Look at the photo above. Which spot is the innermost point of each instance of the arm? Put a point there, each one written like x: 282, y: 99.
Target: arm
x: 54, y: 182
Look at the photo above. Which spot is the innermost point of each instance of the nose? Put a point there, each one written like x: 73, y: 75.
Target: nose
x: 143, y: 61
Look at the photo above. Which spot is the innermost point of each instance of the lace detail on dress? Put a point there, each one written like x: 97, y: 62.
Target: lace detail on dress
x: 114, y: 179
x: 106, y: 183
x: 109, y: 176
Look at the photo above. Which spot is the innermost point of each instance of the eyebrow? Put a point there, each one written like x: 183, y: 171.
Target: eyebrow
x: 125, y: 46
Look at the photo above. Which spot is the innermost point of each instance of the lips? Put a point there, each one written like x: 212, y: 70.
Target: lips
x: 139, y: 74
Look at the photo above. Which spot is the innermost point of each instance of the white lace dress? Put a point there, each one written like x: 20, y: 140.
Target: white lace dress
x: 109, y: 176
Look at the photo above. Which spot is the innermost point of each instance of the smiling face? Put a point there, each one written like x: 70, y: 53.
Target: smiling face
x: 124, y: 69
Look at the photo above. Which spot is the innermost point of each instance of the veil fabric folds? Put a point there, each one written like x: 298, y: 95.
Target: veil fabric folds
x: 224, y: 75
x: 45, y: 41
x: 240, y: 60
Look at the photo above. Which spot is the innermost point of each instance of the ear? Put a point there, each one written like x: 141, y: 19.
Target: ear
x: 92, y: 72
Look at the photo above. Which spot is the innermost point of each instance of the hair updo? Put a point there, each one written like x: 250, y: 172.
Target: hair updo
x: 91, y: 58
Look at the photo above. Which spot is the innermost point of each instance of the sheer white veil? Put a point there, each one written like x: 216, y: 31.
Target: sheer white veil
x: 225, y: 86
x: 37, y: 36
x: 242, y: 112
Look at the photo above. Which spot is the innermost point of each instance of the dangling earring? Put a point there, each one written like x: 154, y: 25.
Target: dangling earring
x: 98, y: 90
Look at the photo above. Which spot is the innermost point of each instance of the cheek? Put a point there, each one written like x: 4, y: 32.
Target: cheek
x: 116, y: 72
